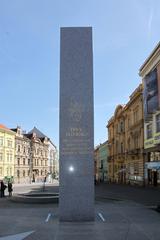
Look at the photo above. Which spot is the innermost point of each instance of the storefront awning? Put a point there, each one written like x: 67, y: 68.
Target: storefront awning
x: 153, y: 165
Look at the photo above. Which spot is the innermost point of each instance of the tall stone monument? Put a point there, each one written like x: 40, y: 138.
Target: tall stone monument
x: 76, y: 201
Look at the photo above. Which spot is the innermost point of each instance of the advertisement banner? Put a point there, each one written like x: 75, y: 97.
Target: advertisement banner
x: 150, y: 94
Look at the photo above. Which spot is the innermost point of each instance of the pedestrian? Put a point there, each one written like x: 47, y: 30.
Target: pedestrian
x: 3, y: 187
x: 10, y: 189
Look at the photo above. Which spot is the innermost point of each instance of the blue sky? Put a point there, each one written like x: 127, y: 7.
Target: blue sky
x: 124, y: 34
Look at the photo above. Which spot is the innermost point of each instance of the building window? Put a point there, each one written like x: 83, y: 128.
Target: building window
x: 18, y: 173
x: 135, y: 115
x: 158, y: 123
x: 28, y: 173
x: 121, y: 147
x: 117, y: 128
x: 136, y: 168
x: 10, y: 157
x: 1, y: 156
x: 19, y: 148
x: 37, y: 151
x: 24, y: 161
x: 122, y: 127
x: 129, y: 123
x: 149, y: 131
x: 1, y: 141
x: 101, y: 166
x: 7, y: 156
x: 41, y: 172
x: 23, y: 173
x: 28, y: 161
x: 45, y: 153
x: 136, y: 145
x: 18, y: 161
x: 24, y: 150
x: 9, y: 143
x: 129, y: 144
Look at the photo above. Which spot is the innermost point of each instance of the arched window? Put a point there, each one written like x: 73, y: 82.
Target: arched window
x: 18, y: 173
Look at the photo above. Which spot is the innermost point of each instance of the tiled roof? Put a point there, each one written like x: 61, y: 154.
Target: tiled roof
x: 4, y: 127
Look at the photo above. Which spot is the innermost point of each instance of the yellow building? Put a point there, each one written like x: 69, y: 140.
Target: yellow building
x: 7, y: 152
x: 134, y: 138
x: 126, y: 141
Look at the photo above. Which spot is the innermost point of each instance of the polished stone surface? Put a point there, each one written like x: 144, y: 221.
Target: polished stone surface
x: 76, y: 201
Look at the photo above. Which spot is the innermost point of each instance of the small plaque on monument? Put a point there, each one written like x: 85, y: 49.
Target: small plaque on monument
x: 76, y: 201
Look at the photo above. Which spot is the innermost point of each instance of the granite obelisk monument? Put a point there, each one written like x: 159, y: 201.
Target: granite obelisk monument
x: 76, y: 201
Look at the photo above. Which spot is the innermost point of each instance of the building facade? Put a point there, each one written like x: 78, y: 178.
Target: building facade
x: 101, y: 162
x: 40, y: 155
x: 134, y: 138
x: 150, y: 73
x: 35, y: 157
x: 22, y: 164
x: 126, y: 141
x: 7, y: 153
x: 52, y: 162
x: 116, y: 141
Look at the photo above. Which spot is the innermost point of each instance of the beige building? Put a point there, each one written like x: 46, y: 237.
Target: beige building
x: 116, y: 141
x: 40, y: 154
x: 7, y: 152
x: 35, y: 157
x: 150, y: 73
x: 22, y: 164
x: 126, y: 141
x: 134, y: 138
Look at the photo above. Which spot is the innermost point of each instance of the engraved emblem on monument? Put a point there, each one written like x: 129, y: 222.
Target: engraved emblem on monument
x: 76, y: 111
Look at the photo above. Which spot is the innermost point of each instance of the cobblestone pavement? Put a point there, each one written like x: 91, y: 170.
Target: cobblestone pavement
x: 117, y: 217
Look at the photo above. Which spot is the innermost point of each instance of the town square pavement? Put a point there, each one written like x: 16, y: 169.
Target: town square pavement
x: 117, y: 217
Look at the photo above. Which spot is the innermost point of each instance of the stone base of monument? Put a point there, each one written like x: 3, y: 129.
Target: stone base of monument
x: 36, y: 198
